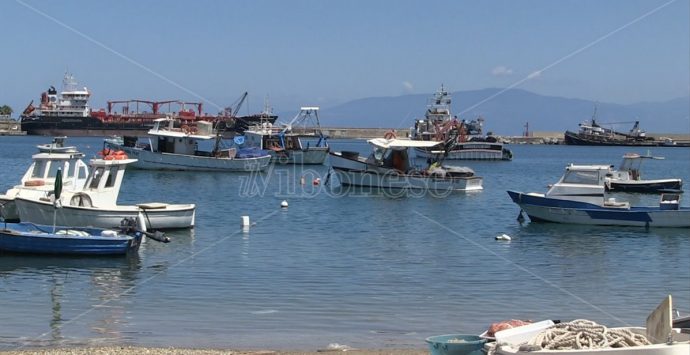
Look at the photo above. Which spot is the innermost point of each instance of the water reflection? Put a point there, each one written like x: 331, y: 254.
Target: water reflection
x: 87, y: 295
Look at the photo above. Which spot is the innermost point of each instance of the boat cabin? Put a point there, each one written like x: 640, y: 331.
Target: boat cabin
x: 268, y: 137
x: 197, y: 140
x: 102, y: 185
x: 632, y: 163
x: 45, y: 166
x: 584, y: 183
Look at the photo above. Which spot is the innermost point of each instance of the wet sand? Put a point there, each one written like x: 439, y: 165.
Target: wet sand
x: 129, y: 350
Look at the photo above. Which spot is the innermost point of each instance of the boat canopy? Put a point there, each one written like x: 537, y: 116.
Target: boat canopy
x: 401, y: 143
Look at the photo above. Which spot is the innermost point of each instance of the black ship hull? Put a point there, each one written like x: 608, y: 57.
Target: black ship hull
x: 81, y: 126
x: 92, y: 126
x: 572, y: 138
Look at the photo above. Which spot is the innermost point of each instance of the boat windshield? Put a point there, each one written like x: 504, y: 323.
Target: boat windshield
x: 378, y: 153
x: 581, y: 177
x: 39, y: 169
x: 96, y: 178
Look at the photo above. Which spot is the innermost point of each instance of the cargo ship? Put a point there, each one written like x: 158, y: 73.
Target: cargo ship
x: 68, y: 114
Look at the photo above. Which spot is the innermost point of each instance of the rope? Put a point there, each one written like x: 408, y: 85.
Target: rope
x: 585, y: 334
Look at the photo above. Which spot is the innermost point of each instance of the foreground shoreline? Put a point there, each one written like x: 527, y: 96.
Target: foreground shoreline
x: 136, y: 350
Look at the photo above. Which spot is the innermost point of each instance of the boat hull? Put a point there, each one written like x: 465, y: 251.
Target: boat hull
x: 25, y: 238
x: 42, y: 212
x: 82, y: 126
x: 471, y: 151
x: 544, y: 209
x: 9, y: 209
x: 645, y: 186
x: 572, y: 138
x: 149, y: 160
x: 310, y: 156
x: 356, y: 172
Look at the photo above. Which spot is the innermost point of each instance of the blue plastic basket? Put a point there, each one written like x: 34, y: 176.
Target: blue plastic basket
x: 469, y: 345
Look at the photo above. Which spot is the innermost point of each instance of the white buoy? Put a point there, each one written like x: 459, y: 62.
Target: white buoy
x: 503, y: 236
x: 284, y: 204
x: 245, y: 222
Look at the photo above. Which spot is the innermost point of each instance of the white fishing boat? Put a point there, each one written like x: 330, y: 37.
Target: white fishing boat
x: 579, y: 198
x: 285, y: 145
x: 628, y: 177
x: 39, y: 179
x: 469, y: 141
x: 180, y: 148
x: 391, y: 165
x: 95, y: 204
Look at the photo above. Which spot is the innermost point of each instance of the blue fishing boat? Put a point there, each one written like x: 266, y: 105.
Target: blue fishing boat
x: 579, y: 198
x: 41, y: 239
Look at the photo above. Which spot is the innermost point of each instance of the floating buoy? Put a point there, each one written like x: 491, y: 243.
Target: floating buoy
x: 316, y: 181
x: 284, y: 204
x: 503, y: 236
x: 245, y: 222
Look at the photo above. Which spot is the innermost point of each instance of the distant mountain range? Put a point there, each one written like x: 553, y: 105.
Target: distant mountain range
x: 508, y: 112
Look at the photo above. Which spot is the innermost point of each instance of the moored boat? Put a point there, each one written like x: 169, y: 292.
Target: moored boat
x: 469, y: 141
x: 391, y: 165
x: 579, y: 198
x: 180, y: 148
x: 68, y: 113
x: 287, y: 146
x: 95, y: 204
x: 594, y: 133
x: 628, y: 177
x: 30, y: 238
x: 39, y: 179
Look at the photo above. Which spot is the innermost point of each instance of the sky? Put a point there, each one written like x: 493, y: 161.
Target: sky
x: 324, y: 53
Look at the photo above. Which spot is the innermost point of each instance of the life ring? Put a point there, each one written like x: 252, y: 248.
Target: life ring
x: 390, y: 135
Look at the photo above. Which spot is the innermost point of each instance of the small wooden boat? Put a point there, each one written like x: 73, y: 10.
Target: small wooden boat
x: 578, y: 198
x: 43, y: 239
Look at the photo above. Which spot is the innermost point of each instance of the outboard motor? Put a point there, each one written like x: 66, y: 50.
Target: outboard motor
x: 128, y: 225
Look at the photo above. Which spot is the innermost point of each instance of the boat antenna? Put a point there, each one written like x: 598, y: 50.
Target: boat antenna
x: 594, y: 114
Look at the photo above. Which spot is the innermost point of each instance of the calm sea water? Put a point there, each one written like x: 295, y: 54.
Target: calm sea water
x: 352, y: 267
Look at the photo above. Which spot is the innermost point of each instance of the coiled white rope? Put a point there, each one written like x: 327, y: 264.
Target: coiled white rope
x: 585, y: 334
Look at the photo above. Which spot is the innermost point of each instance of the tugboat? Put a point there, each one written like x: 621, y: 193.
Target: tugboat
x: 469, y: 143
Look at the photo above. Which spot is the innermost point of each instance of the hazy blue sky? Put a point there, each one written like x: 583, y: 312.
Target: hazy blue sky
x: 329, y: 52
